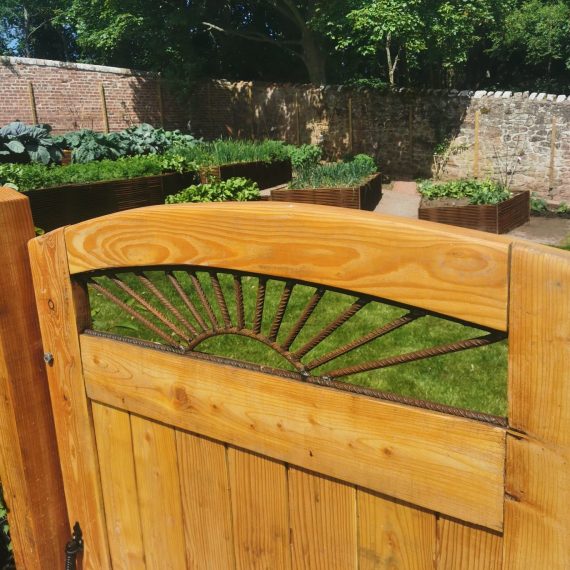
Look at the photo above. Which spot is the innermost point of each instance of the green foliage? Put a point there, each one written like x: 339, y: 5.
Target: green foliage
x: 28, y: 143
x: 35, y: 176
x: 239, y: 189
x: 4, y: 528
x: 538, y: 205
x: 477, y: 191
x: 336, y: 174
x: 304, y: 156
x: 224, y: 151
x: 88, y: 145
x: 563, y: 208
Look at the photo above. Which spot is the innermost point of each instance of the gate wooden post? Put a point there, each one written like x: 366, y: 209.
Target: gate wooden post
x: 537, y: 516
x: 29, y: 462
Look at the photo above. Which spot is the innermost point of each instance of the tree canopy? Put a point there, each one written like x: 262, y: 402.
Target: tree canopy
x: 508, y: 44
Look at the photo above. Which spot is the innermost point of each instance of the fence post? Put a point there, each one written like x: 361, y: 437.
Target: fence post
x: 537, y: 517
x: 29, y: 462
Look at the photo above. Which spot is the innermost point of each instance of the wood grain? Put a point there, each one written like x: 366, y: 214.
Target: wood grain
x: 323, y: 522
x: 430, y: 459
x: 158, y: 488
x: 537, y: 518
x: 29, y: 462
x: 394, y: 535
x: 118, y: 480
x: 453, y: 271
x: 205, y: 494
x: 59, y: 322
x: 465, y: 547
x: 260, y: 512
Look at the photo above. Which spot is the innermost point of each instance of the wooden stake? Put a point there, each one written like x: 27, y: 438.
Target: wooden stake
x: 551, y: 174
x: 160, y: 101
x: 29, y: 461
x: 297, y: 118
x: 33, y: 103
x: 252, y: 107
x: 476, y: 145
x: 411, y: 131
x: 104, y: 109
x: 350, y: 131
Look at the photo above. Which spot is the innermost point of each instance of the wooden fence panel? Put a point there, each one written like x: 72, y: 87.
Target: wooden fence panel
x: 29, y: 463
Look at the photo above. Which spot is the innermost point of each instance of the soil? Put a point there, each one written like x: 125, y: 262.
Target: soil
x: 551, y: 214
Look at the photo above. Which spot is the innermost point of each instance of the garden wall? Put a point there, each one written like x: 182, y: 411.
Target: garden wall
x: 492, y: 132
x: 70, y: 96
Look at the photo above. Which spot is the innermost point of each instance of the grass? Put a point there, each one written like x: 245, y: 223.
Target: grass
x: 334, y: 175
x: 473, y: 379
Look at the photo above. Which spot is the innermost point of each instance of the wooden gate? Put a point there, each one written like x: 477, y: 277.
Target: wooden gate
x: 173, y: 458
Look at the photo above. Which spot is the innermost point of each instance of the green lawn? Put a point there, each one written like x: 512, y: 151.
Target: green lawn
x: 473, y: 379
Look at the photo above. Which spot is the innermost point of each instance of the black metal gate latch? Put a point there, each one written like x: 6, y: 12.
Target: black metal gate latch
x: 73, y: 548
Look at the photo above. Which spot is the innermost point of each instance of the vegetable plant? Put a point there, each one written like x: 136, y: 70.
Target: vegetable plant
x: 239, y: 189
x: 304, y: 156
x: 28, y: 143
x: 476, y: 191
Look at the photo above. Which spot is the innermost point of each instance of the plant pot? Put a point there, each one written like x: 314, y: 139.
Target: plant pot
x: 363, y: 197
x: 266, y: 174
x: 494, y: 218
x: 64, y: 205
x: 66, y: 157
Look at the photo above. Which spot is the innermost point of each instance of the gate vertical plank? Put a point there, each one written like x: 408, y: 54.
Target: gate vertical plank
x: 466, y: 547
x: 394, y: 535
x: 537, y: 517
x: 115, y: 452
x: 323, y: 522
x: 206, y: 503
x: 56, y: 300
x: 158, y: 487
x: 260, y: 511
x: 29, y: 463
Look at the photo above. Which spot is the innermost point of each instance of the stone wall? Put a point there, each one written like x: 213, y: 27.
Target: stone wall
x: 69, y: 96
x: 523, y: 136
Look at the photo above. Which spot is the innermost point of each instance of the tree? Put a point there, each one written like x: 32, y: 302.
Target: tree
x: 284, y: 24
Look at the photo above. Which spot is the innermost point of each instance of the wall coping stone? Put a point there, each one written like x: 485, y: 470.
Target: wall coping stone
x: 10, y: 61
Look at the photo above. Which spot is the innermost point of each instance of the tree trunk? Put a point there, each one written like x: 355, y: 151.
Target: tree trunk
x: 313, y: 57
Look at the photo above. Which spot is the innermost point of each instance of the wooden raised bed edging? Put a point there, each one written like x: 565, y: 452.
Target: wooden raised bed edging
x: 363, y: 197
x: 495, y: 218
x: 64, y: 205
x: 266, y: 174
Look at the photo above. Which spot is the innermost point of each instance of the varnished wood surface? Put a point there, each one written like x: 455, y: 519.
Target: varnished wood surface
x: 59, y: 323
x: 434, y: 460
x: 29, y: 462
x: 453, y: 271
x: 537, y: 517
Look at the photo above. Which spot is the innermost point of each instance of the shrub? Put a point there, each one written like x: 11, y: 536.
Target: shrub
x: 538, y: 205
x: 89, y: 146
x: 28, y: 143
x: 476, y: 191
x: 240, y: 189
x: 335, y: 175
x: 304, y: 156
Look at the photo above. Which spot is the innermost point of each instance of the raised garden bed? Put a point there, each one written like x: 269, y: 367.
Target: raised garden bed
x: 495, y: 218
x: 363, y: 197
x: 63, y: 205
x: 266, y: 174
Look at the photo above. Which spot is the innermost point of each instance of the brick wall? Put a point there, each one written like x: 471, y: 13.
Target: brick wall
x: 68, y: 96
x: 494, y: 133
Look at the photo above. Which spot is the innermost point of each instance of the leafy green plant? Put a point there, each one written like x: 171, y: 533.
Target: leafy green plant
x: 36, y: 176
x: 563, y: 208
x: 476, y: 191
x: 28, y: 143
x: 538, y: 205
x: 4, y: 528
x: 335, y: 175
x: 239, y: 189
x: 304, y: 156
x: 89, y: 146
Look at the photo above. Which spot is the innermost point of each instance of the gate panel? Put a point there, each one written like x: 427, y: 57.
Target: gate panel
x: 393, y: 534
x: 119, y: 484
x: 158, y: 485
x: 260, y: 511
x: 323, y: 522
x: 206, y: 502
